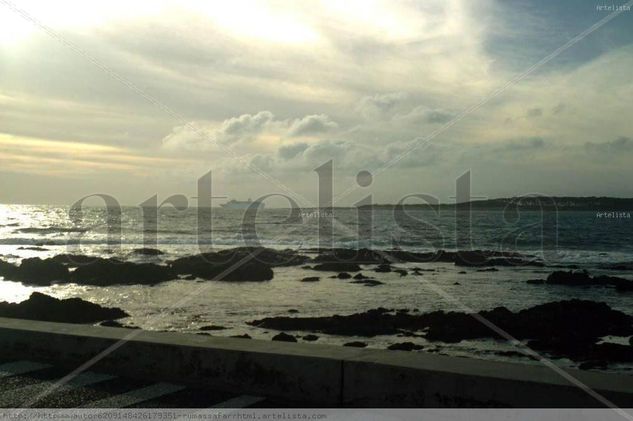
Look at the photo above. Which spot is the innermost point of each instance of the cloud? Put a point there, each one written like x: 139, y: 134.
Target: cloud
x: 311, y: 124
x: 423, y: 114
x: 286, y: 152
x: 621, y: 145
x: 379, y: 105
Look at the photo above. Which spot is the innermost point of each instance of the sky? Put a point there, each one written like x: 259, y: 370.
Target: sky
x: 139, y: 98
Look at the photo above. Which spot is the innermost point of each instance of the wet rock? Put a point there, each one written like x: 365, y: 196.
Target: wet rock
x: 148, y: 252
x: 456, y: 283
x: 337, y: 267
x: 311, y: 279
x: 211, y: 327
x: 384, y: 268
x: 7, y: 270
x: 343, y: 275
x: 284, y: 337
x: 360, y: 276
x: 71, y: 310
x: 462, y: 272
x: 293, y: 311
x: 405, y: 346
x: 242, y: 336
x: 237, y: 270
x: 569, y: 328
x: 40, y: 272
x: 74, y: 260
x: 356, y: 344
x: 114, y: 323
x: 401, y: 272
x: 584, y: 279
x: 105, y: 272
x: 310, y: 338
x: 368, y: 282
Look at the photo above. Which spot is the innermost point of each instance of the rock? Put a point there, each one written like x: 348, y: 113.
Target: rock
x: 356, y: 344
x: 401, y: 272
x: 405, y: 346
x: 310, y: 338
x: 148, y: 252
x: 337, y: 267
x: 293, y: 311
x: 569, y: 328
x: 343, y: 275
x: 243, y: 336
x: 360, y: 276
x: 238, y: 270
x: 71, y: 310
x: 383, y: 268
x: 114, y: 323
x: 311, y: 279
x: 284, y: 337
x: 104, y: 272
x: 584, y: 279
x: 456, y: 283
x: 7, y: 270
x: 368, y: 282
x: 74, y: 260
x: 462, y: 272
x: 211, y: 327
x: 36, y: 271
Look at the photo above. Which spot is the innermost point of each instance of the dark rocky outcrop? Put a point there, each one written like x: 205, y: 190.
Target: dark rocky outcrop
x: 401, y: 272
x: 310, y: 338
x: 355, y: 344
x: 104, y: 272
x: 211, y: 327
x: 211, y: 267
x: 383, y: 268
x: 284, y: 337
x: 405, y: 346
x: 569, y: 328
x: 148, y: 252
x: 311, y: 279
x: 40, y: 272
x: 368, y: 282
x: 71, y: 310
x: 344, y: 275
x: 584, y: 279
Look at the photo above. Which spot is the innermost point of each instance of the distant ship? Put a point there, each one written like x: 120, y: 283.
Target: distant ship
x: 241, y: 204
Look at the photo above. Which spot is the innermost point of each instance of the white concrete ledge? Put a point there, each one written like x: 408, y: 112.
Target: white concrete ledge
x: 308, y: 374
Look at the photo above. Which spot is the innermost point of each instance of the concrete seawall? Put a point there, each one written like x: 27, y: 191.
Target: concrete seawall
x: 318, y: 375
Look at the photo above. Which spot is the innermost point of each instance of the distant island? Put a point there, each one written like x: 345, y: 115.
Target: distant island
x: 598, y: 204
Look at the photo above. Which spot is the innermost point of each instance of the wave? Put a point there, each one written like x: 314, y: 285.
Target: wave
x: 51, y: 230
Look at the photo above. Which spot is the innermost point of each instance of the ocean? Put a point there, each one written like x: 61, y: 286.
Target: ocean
x: 566, y: 239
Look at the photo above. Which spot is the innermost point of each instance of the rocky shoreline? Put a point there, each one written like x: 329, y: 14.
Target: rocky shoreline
x: 562, y: 329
